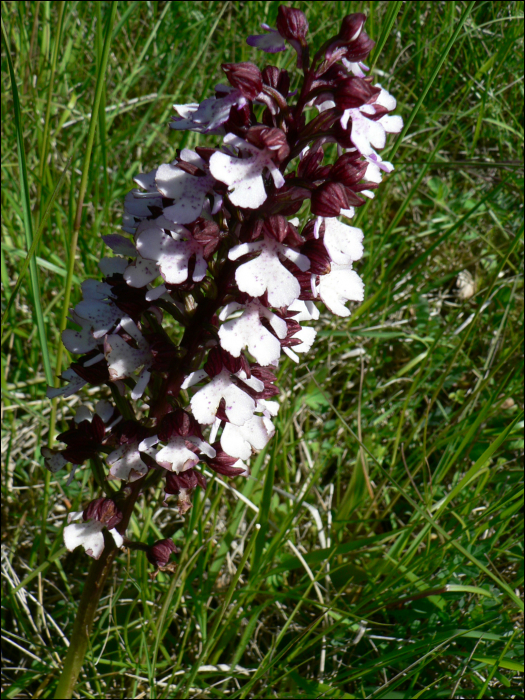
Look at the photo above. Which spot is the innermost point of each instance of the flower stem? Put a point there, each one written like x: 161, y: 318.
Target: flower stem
x: 95, y: 582
x: 88, y: 605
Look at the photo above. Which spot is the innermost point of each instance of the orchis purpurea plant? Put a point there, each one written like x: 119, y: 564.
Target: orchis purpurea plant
x: 212, y: 246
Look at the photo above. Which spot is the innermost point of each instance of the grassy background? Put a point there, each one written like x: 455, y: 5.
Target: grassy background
x: 388, y: 563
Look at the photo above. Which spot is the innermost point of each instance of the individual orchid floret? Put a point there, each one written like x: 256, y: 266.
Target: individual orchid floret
x: 208, y: 117
x: 180, y: 453
x: 368, y: 134
x: 247, y: 331
x: 123, y: 359
x: 238, y: 440
x: 342, y: 284
x: 266, y: 273
x: 126, y: 462
x: 227, y: 377
x: 83, y: 439
x: 244, y: 175
x: 101, y: 513
x: 239, y: 405
x: 187, y: 190
x: 160, y: 552
x: 292, y: 26
x: 171, y: 251
x: 183, y: 485
x: 272, y: 42
x: 183, y: 437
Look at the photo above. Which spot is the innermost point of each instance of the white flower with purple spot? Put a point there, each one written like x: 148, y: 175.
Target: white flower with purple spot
x: 343, y: 242
x: 247, y: 331
x: 238, y: 441
x: 123, y: 359
x: 244, y: 176
x: 188, y: 191
x: 171, y: 251
x: 88, y: 534
x: 340, y: 285
x: 239, y: 406
x: 266, y: 273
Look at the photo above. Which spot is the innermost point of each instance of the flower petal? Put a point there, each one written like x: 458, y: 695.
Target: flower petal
x: 141, y: 272
x: 176, y: 457
x: 126, y: 463
x: 89, y: 535
x: 343, y: 243
x: 237, y: 441
x: 339, y: 286
x: 239, y: 405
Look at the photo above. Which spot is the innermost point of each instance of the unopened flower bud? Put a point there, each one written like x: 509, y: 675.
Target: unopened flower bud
x: 207, y: 233
x: 277, y: 79
x: 104, y: 510
x: 309, y: 164
x: 245, y: 77
x: 359, y: 49
x: 219, y: 359
x: 83, y: 440
x: 352, y: 26
x: 159, y: 553
x: 348, y: 169
x: 182, y: 485
x: 291, y: 23
x: 329, y: 199
x: 179, y: 423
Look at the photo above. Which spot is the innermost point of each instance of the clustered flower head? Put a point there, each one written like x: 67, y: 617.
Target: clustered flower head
x: 212, y: 241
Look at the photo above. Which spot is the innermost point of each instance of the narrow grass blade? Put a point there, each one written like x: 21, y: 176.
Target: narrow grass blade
x: 430, y: 82
x: 85, y: 174
x: 28, y: 223
x: 36, y: 240
x: 390, y: 19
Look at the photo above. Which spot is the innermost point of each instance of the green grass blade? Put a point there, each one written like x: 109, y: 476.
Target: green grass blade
x: 101, y: 76
x: 28, y: 221
x: 408, y: 122
x: 36, y: 240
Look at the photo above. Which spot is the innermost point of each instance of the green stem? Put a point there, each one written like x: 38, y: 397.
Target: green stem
x: 87, y: 608
x: 88, y: 605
